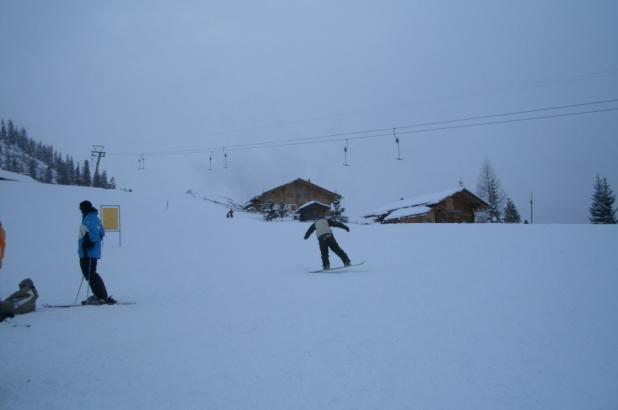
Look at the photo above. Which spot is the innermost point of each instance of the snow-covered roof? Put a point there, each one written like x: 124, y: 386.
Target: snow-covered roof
x: 303, y: 181
x: 416, y: 201
x: 407, y: 212
x: 312, y: 203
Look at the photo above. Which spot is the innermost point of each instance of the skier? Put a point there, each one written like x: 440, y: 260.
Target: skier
x: 91, y: 233
x: 2, y: 243
x: 327, y: 240
x: 230, y: 213
x: 22, y: 301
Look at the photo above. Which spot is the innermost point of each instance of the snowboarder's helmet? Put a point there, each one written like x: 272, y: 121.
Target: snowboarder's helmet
x: 26, y: 283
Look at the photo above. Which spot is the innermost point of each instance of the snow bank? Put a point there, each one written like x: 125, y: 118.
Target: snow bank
x: 440, y: 316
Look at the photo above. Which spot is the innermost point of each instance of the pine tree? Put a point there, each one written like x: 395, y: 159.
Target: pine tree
x: 48, y: 177
x: 64, y: 173
x: 282, y: 210
x: 510, y: 212
x: 86, y: 178
x: 11, y: 133
x: 78, y: 175
x: 336, y: 212
x: 488, y: 189
x: 103, y: 180
x: 12, y: 164
x: 24, y: 142
x: 96, y: 179
x: 269, y: 211
x: 32, y: 169
x: 72, y: 178
x: 602, y: 210
x: 4, y: 136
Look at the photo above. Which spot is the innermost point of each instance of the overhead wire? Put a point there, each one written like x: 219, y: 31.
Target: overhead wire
x: 431, y: 126
x: 515, y: 87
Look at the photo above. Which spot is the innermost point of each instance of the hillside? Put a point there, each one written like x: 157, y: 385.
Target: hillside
x: 23, y: 155
x: 226, y: 317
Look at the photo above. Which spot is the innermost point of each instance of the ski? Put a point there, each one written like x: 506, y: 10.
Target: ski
x: 47, y: 305
x: 338, y: 269
x: 10, y: 323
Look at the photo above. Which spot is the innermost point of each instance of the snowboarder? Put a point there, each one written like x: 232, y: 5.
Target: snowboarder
x: 327, y: 240
x: 2, y: 243
x: 91, y: 233
x: 22, y: 301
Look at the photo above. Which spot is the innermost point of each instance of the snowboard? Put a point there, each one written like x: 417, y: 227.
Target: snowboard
x: 338, y: 269
x: 47, y: 305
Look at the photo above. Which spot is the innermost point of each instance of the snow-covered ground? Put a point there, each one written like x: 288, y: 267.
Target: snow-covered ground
x: 227, y: 317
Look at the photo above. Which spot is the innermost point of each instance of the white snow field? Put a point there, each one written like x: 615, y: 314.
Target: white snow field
x: 226, y: 316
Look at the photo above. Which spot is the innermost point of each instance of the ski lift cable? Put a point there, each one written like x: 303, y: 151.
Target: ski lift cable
x: 476, y: 124
x: 380, y: 132
x: 406, y: 132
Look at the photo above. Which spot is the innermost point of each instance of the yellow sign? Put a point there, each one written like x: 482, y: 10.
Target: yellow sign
x: 111, y: 218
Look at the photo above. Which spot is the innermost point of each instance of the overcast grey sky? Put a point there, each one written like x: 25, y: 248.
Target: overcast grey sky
x: 157, y: 76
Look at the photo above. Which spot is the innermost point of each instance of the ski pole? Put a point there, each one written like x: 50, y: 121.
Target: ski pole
x: 89, y: 274
x: 79, y: 290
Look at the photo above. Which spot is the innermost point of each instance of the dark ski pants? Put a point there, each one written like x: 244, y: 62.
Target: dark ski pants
x: 328, y: 241
x: 89, y: 270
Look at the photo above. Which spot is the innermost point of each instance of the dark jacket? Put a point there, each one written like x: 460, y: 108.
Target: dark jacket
x: 22, y: 301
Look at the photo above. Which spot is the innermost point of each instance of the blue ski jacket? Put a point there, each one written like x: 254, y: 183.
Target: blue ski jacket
x: 90, y: 231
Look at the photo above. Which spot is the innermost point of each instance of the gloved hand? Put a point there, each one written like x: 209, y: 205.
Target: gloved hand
x: 347, y: 229
x: 306, y: 237
x: 87, y: 243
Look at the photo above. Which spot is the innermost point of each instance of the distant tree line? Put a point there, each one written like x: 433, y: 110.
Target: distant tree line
x: 502, y: 209
x: 21, y: 154
x: 272, y: 211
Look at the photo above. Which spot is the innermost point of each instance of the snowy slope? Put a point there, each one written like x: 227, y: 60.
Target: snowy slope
x: 440, y: 317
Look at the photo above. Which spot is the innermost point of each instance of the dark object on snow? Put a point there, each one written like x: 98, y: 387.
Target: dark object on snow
x: 20, y: 302
x: 230, y: 213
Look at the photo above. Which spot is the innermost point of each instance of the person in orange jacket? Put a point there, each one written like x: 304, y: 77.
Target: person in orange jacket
x: 2, y: 243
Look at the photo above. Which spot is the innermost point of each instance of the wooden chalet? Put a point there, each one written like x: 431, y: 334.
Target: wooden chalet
x: 452, y: 206
x: 294, y: 195
x: 312, y: 211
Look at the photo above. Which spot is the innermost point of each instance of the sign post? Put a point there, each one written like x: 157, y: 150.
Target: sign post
x: 110, y: 217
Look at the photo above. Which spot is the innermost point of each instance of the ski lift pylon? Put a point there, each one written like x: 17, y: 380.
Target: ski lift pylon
x: 397, y: 142
x: 345, y: 154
